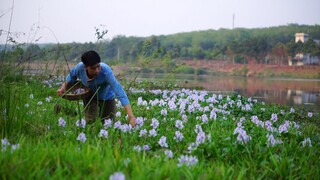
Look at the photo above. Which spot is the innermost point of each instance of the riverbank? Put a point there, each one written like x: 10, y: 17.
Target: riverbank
x: 257, y: 70
x: 203, y: 66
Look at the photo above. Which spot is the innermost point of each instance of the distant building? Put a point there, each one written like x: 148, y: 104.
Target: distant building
x: 301, y: 59
x: 301, y: 37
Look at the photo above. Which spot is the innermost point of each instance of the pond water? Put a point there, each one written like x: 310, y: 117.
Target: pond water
x: 291, y: 92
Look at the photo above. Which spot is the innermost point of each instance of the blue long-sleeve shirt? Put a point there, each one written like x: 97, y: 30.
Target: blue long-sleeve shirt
x: 106, y: 83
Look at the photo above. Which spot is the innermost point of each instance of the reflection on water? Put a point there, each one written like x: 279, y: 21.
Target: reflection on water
x: 291, y: 92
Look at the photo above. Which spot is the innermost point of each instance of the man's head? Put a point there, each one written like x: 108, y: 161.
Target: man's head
x: 91, y: 60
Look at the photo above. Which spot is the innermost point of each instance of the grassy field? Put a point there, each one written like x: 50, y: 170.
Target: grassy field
x: 180, y: 134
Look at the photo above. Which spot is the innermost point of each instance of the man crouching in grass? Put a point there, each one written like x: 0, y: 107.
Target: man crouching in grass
x: 99, y: 77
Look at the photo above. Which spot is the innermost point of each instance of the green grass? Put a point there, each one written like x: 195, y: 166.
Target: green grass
x: 46, y: 150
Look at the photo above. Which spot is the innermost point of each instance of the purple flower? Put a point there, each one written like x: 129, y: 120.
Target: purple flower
x: 14, y: 147
x: 272, y: 141
x: 139, y: 121
x: 164, y: 112
x: 162, y: 142
x: 81, y: 123
x: 155, y: 123
x: 274, y: 117
x: 117, y: 176
x: 107, y: 123
x: 142, y: 133
x: 306, y: 142
x: 187, y: 160
x: 137, y: 148
x: 61, y: 122
x: 292, y: 110
x: 117, y: 125
x: 4, y: 144
x: 103, y: 133
x: 125, y: 127
x: 201, y: 137
x: 179, y: 124
x: 204, y: 118
x: 178, y: 136
x: 146, y: 147
x: 82, y: 137
x: 310, y: 114
x: 198, y: 128
x: 284, y: 127
x: 153, y: 133
x: 168, y: 153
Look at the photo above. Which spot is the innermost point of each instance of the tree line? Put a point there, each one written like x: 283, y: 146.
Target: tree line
x: 239, y: 45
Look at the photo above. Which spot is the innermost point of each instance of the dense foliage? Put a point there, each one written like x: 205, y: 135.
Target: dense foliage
x: 263, y: 45
x: 180, y: 134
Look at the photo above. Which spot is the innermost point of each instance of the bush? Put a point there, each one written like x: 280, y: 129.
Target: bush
x: 184, y: 70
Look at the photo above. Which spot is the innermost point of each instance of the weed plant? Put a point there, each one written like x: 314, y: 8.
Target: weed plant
x: 180, y: 134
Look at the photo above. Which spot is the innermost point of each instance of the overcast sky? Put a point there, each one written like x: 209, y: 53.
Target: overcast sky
x: 75, y: 20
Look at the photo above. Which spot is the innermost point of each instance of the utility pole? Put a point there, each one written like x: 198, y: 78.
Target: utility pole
x: 232, y: 21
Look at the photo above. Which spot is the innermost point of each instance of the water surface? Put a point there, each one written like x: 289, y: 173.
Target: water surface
x: 291, y: 92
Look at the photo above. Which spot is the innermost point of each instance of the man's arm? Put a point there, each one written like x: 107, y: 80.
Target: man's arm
x: 132, y: 119
x: 62, y: 89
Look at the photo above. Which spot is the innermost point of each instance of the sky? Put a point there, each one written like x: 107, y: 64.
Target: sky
x: 64, y: 21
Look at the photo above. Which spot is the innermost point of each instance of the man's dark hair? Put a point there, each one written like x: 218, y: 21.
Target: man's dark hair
x: 90, y: 58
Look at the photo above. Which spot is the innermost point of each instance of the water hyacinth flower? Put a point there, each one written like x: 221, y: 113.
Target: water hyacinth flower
x: 142, y: 102
x: 48, y: 99
x: 40, y: 103
x: 82, y: 137
x: 164, y: 112
x: 306, y: 142
x: 201, y: 137
x: 179, y: 124
x: 191, y: 147
x: 62, y: 122
x: 117, y: 125
x: 103, y: 133
x: 117, y: 176
x: 107, y: 123
x: 178, y: 136
x: 274, y: 117
x: 242, y: 135
x: 143, y: 133
x: 125, y: 127
x: 284, y: 128
x: 137, y: 148
x: 187, y: 160
x: 155, y: 123
x: 139, y: 121
x: 205, y: 118
x: 310, y: 114
x: 168, y: 153
x: 146, y: 147
x: 198, y: 128
x: 162, y: 142
x: 118, y: 114
x: 4, y: 144
x: 184, y: 118
x: 292, y: 110
x: 31, y: 96
x: 153, y: 133
x: 26, y: 105
x: 272, y: 141
x: 81, y: 123
x: 14, y: 147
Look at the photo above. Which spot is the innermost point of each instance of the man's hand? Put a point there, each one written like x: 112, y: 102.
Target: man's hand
x: 60, y: 91
x: 132, y: 121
